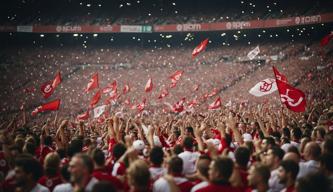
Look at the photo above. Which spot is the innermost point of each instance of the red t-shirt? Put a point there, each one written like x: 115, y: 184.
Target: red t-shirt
x: 43, y: 152
x: 50, y: 182
x: 243, y: 173
x: 216, y: 188
x: 290, y: 189
x: 112, y: 142
x: 185, y: 186
x: 102, y: 175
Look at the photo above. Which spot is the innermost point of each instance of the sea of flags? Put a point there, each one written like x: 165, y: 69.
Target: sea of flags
x: 293, y: 98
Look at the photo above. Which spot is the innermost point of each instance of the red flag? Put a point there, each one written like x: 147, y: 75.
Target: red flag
x: 163, y: 94
x: 47, y: 89
x: 279, y: 76
x: 200, y: 48
x: 93, y: 83
x: 142, y: 105
x: 126, y: 89
x: 95, y: 99
x: 293, y: 98
x: 175, y: 78
x: 149, y: 85
x: 179, y: 106
x: 325, y: 40
x: 216, y: 104
x: 50, y: 106
x: 113, y: 97
x: 110, y: 87
x: 83, y: 116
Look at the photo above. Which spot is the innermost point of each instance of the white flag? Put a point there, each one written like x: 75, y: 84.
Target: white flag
x: 98, y: 111
x: 264, y: 87
x: 253, y: 53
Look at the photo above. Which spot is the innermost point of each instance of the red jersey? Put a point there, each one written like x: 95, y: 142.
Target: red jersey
x: 102, y: 175
x: 50, y: 182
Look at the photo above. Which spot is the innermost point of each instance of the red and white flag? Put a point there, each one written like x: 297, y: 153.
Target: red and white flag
x: 253, y: 53
x: 149, y: 85
x: 49, y: 87
x: 163, y: 94
x: 175, y: 77
x: 192, y: 103
x: 198, y: 49
x: 264, y: 87
x: 292, y: 97
x: 140, y: 107
x: 325, y: 40
x: 50, y: 106
x: 177, y: 107
x: 126, y: 89
x: 111, y: 87
x: 98, y: 111
x: 83, y: 116
x: 93, y: 83
x: 95, y: 99
x: 279, y: 76
x: 216, y: 104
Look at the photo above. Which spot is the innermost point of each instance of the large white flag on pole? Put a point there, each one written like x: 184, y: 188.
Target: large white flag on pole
x: 264, y: 87
x: 253, y: 53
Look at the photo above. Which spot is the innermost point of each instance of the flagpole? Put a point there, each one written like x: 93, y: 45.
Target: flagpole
x: 276, y: 81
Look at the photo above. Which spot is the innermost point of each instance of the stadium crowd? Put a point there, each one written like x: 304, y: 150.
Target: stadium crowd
x: 246, y: 145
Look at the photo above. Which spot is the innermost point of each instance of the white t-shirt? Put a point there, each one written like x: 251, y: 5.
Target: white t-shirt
x: 67, y: 187
x: 40, y: 188
x: 162, y: 185
x: 64, y: 187
x: 274, y: 181
x: 199, y: 186
x: 189, y: 158
x: 307, y: 167
x: 156, y: 172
